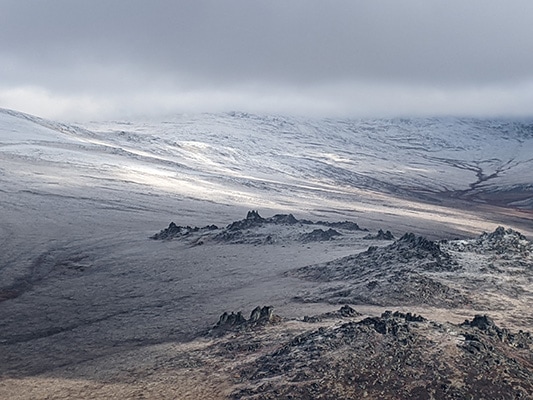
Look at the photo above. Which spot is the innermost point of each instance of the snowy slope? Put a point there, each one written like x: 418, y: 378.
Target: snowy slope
x: 273, y: 161
x: 453, y: 156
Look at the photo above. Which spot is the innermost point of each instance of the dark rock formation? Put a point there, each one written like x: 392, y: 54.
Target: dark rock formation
x: 252, y: 219
x: 175, y: 231
x: 264, y: 314
x: 256, y: 230
x: 486, y: 325
x: 259, y: 316
x: 229, y: 320
x: 319, y: 235
x: 502, y: 242
x: 395, y: 356
x: 344, y: 312
x: 500, y: 234
x: 347, y: 311
x: 411, y: 245
x: 390, y: 275
x: 244, y: 231
x: 406, y: 316
x: 285, y: 219
x: 347, y: 225
x: 380, y: 236
x: 482, y: 322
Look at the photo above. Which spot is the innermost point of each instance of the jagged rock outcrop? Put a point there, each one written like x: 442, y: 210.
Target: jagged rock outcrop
x: 227, y: 320
x: 394, y: 356
x: 504, y: 257
x: 319, y: 235
x: 346, y: 225
x: 235, y: 321
x: 412, y: 247
x: 256, y: 230
x: 285, y: 219
x: 344, y: 312
x: 486, y: 325
x: 415, y: 251
x: 265, y: 314
x: 175, y: 231
x: 380, y: 236
x: 505, y: 242
x: 245, y: 230
x: 409, y: 317
x: 252, y: 219
x: 400, y: 273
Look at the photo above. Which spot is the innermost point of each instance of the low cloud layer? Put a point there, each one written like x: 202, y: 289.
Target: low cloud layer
x: 105, y: 59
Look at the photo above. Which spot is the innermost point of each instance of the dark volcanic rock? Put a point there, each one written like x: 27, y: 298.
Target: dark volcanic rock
x: 259, y: 316
x: 319, y: 235
x: 256, y: 230
x: 286, y: 219
x: 380, y: 236
x: 482, y: 322
x: 246, y: 231
x: 412, y: 246
x: 230, y: 320
x: 411, y: 249
x: 175, y: 231
x: 400, y: 273
x: 409, y: 317
x: 395, y: 356
x: 347, y: 225
x: 344, y: 312
x: 252, y: 219
x: 502, y: 242
x: 487, y: 325
x: 501, y: 234
x: 347, y: 311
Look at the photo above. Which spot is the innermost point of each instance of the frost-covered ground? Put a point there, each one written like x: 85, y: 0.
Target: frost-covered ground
x: 80, y: 280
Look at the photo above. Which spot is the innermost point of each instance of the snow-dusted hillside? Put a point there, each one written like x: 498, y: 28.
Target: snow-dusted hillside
x: 405, y: 174
x: 454, y: 156
x: 241, y: 157
x: 362, y: 168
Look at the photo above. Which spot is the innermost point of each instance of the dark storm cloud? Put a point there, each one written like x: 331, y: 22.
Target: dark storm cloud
x: 308, y: 55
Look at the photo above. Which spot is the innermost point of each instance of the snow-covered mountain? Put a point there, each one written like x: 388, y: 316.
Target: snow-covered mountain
x: 239, y: 157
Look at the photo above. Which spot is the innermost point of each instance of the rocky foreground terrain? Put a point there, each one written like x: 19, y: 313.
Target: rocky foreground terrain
x: 343, y: 355
x: 382, y: 315
x: 491, y: 272
x: 348, y: 354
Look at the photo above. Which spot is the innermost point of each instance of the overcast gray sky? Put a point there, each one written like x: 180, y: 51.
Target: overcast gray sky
x: 99, y: 59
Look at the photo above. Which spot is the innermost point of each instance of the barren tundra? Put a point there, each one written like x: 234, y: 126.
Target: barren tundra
x: 123, y: 244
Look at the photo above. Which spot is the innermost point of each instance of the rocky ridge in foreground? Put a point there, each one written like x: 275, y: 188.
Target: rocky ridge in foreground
x: 395, y: 356
x: 345, y: 354
x: 493, y: 271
